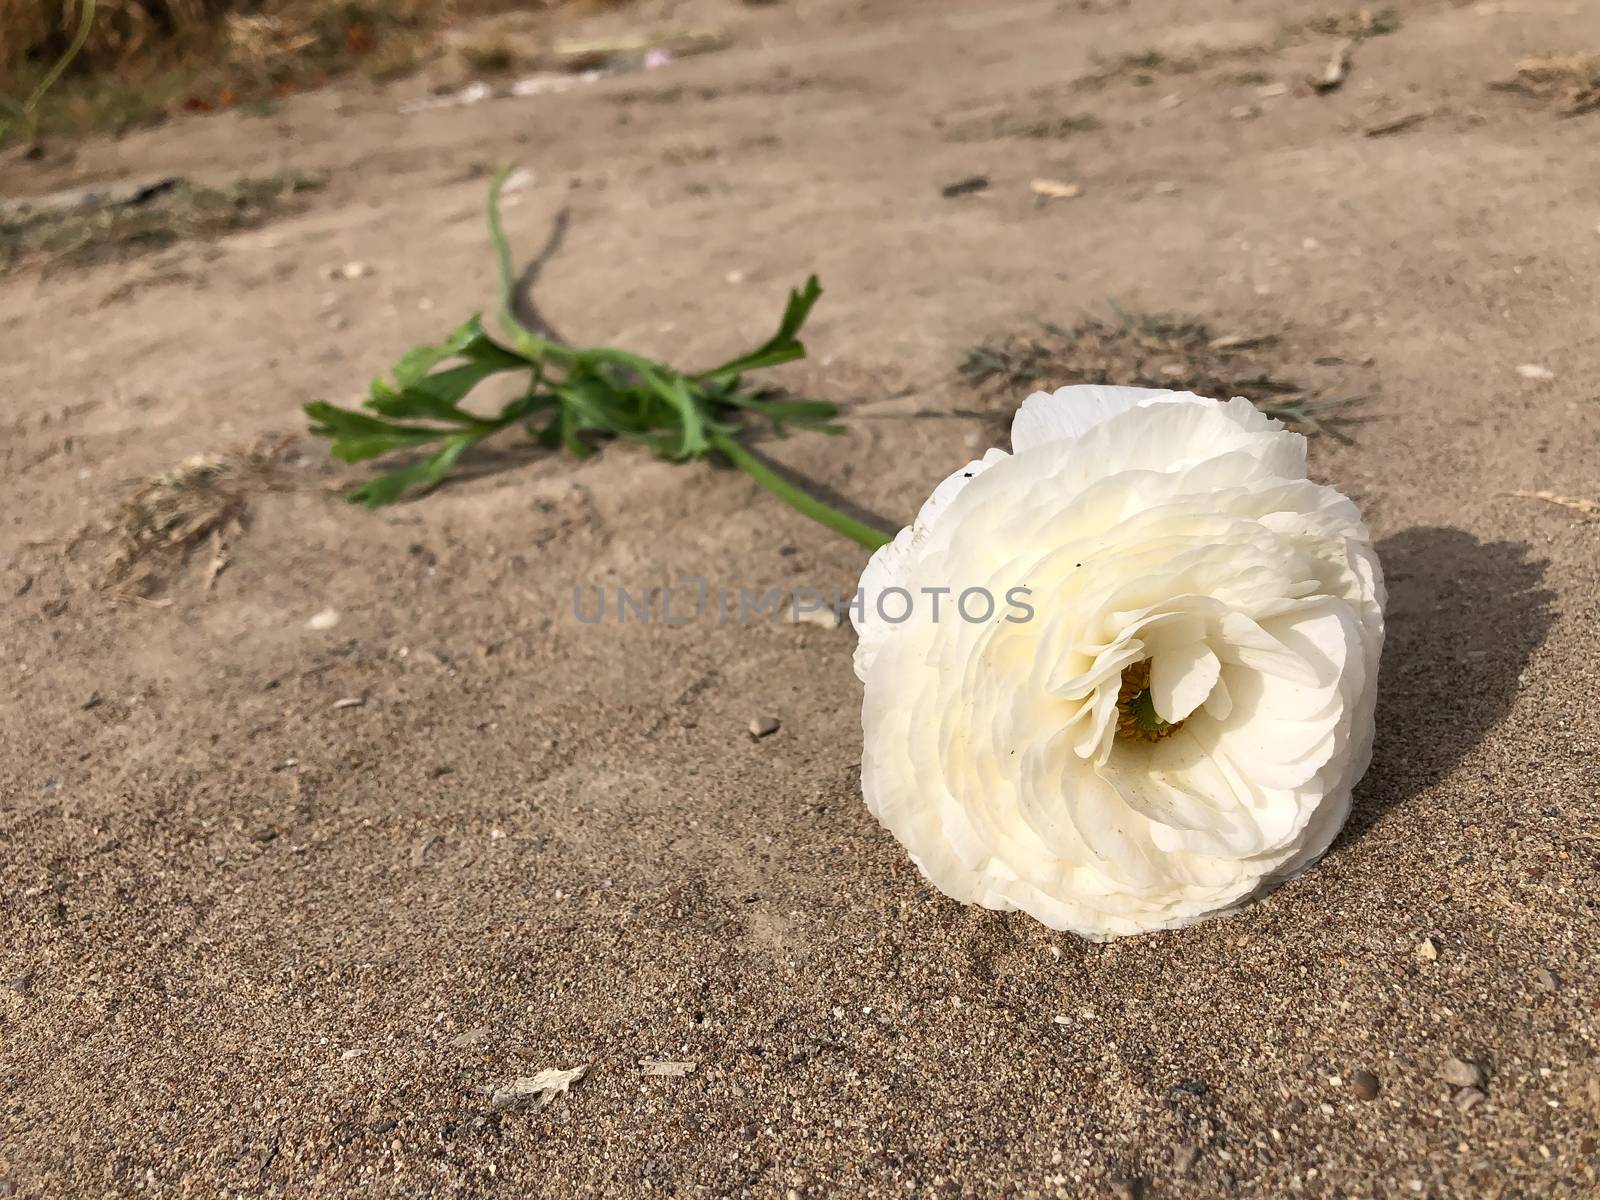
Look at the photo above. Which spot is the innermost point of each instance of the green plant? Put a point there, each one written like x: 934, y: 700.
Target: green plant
x: 574, y: 398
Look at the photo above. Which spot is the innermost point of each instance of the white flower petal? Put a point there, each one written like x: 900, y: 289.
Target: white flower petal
x: 1070, y: 412
x: 890, y: 565
x: 1181, y: 679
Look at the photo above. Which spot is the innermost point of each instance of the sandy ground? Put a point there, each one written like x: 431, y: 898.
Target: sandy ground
x: 257, y: 944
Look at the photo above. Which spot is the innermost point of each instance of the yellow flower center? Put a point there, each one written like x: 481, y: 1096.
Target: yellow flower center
x: 1136, y: 711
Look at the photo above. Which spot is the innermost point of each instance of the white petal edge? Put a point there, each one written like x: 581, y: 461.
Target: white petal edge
x: 1070, y: 412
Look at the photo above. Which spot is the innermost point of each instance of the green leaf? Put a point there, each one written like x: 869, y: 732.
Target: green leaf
x: 784, y: 346
x: 386, y: 489
x: 357, y: 436
x: 417, y: 393
x: 437, y: 396
x: 329, y: 420
x: 417, y: 362
x: 788, y: 410
x: 567, y: 425
x: 594, y: 404
x: 692, y: 441
x: 523, y: 407
x: 469, y: 340
x: 550, y: 436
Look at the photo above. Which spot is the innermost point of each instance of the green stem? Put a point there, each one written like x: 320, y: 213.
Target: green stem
x: 529, y: 344
x: 801, y: 501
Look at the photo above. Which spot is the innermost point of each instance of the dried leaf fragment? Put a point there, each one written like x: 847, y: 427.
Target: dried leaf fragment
x: 1055, y: 189
x: 1570, y: 82
x: 1241, y: 341
x: 219, y: 559
x: 1590, y: 508
x: 543, y: 1087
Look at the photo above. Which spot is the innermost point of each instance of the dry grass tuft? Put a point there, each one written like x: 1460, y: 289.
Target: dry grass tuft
x: 1050, y: 127
x: 1362, y: 23
x: 156, y: 528
x: 1568, y: 82
x: 1152, y: 350
x: 150, y: 219
x: 1143, y: 68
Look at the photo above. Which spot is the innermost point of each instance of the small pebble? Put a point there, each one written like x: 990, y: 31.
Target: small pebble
x: 1458, y: 1072
x: 350, y: 270
x: 664, y: 1067
x: 1469, y: 1098
x: 1536, y: 373
x: 1547, y: 979
x: 420, y: 848
x: 822, y: 618
x: 1427, y: 950
x: 1364, y: 1084
x: 1183, y: 1157
x: 762, y: 727
x: 326, y: 619
x: 350, y: 702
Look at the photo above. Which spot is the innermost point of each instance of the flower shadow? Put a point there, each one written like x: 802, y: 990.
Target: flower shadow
x: 1464, y: 617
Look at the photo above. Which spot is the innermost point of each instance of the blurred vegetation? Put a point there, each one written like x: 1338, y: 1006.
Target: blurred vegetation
x: 143, y: 60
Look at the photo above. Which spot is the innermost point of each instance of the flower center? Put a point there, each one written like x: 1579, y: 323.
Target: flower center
x: 1136, y: 711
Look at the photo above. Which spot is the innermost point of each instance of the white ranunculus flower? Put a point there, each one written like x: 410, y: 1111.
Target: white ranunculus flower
x: 1180, y: 722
